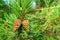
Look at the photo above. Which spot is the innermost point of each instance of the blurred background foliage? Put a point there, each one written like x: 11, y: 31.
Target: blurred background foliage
x: 43, y: 16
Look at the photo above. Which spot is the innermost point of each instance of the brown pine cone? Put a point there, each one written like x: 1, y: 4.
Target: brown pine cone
x: 17, y: 24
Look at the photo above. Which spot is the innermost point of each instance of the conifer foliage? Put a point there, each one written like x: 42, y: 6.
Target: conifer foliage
x: 29, y: 19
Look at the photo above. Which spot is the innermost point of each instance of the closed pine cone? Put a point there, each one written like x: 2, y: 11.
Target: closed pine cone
x: 25, y: 24
x: 17, y: 24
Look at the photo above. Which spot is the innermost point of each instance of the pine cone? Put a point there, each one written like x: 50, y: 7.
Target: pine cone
x: 25, y: 24
x: 17, y: 24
